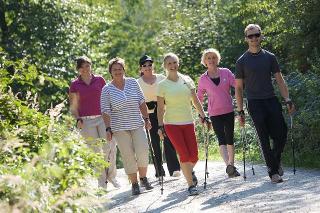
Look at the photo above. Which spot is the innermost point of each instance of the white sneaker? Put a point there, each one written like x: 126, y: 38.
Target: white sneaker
x: 115, y: 183
x: 176, y: 174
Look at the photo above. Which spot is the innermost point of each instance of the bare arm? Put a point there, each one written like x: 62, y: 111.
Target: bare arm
x: 74, y: 103
x: 106, y: 119
x: 144, y: 110
x: 284, y: 92
x: 282, y: 85
x: 160, y: 110
x: 145, y: 115
x: 239, y: 98
x: 74, y: 108
x: 239, y: 93
x: 196, y: 103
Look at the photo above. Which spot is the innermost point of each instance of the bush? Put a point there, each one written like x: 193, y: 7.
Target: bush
x: 44, y: 165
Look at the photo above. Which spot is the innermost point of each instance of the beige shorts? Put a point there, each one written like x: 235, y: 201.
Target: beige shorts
x: 134, y: 149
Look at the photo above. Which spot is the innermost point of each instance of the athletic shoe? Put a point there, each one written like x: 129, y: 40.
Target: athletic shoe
x: 115, y: 183
x: 236, y: 173
x: 145, y: 183
x: 276, y: 178
x: 135, y: 189
x: 232, y: 171
x: 193, y: 190
x: 176, y: 174
x: 194, y: 179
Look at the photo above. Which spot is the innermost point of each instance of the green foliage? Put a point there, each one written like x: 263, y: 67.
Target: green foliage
x: 190, y: 27
x: 305, y: 132
x: 134, y: 33
x: 51, y: 34
x: 44, y: 166
x: 40, y: 39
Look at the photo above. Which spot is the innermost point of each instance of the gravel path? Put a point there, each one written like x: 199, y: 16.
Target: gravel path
x: 298, y: 193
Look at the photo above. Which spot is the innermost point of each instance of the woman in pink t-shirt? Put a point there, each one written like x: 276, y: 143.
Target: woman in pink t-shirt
x: 216, y: 83
x: 84, y: 96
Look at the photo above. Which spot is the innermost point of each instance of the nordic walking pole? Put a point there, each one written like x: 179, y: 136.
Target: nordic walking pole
x: 252, y: 161
x: 161, y: 176
x: 249, y: 148
x: 206, y: 174
x: 154, y: 159
x: 253, y: 173
x: 244, y: 152
x: 106, y: 170
x: 292, y: 145
x: 206, y: 121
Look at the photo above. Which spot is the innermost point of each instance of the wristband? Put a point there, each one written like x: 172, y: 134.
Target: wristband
x: 108, y: 129
x: 240, y: 113
x: 289, y: 102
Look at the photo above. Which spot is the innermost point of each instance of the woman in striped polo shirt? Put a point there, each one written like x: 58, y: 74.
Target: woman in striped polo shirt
x: 125, y: 115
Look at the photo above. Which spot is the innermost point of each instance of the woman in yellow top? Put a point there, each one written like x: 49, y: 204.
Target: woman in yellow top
x: 148, y: 82
x: 174, y: 97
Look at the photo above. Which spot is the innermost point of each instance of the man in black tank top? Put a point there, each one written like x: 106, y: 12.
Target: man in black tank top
x: 254, y: 71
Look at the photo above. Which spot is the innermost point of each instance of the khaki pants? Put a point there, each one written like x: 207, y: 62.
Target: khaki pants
x: 133, y: 146
x: 94, y: 129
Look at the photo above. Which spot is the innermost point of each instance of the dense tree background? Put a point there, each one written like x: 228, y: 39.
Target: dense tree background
x: 39, y: 40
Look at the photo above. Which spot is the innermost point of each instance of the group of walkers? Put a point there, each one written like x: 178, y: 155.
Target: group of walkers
x: 127, y: 111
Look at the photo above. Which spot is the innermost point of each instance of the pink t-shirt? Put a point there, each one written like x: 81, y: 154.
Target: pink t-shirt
x: 219, y: 98
x: 89, y: 103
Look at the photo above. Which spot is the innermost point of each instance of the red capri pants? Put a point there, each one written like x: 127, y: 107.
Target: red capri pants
x: 183, y: 139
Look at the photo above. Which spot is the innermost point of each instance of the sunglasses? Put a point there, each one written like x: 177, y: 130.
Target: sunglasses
x: 146, y: 65
x: 257, y: 35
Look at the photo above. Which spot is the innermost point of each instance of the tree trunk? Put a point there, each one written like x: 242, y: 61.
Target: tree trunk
x: 3, y: 23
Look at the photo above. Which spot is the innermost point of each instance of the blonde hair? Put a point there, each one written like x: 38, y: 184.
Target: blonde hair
x: 210, y: 50
x: 169, y: 55
x: 251, y: 27
x: 116, y: 60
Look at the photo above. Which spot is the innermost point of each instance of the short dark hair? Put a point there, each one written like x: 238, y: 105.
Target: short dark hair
x: 81, y: 60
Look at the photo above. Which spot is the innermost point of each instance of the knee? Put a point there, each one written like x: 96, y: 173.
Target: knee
x: 231, y: 143
x: 194, y: 156
x: 222, y: 143
x: 184, y: 158
x: 194, y: 159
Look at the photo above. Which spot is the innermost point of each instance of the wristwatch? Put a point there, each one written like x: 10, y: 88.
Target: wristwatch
x: 78, y: 119
x: 108, y: 129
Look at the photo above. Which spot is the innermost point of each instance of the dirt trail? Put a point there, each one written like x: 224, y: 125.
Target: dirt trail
x: 298, y: 193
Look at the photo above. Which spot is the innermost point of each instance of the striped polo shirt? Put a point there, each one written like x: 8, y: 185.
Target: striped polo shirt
x: 123, y: 106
